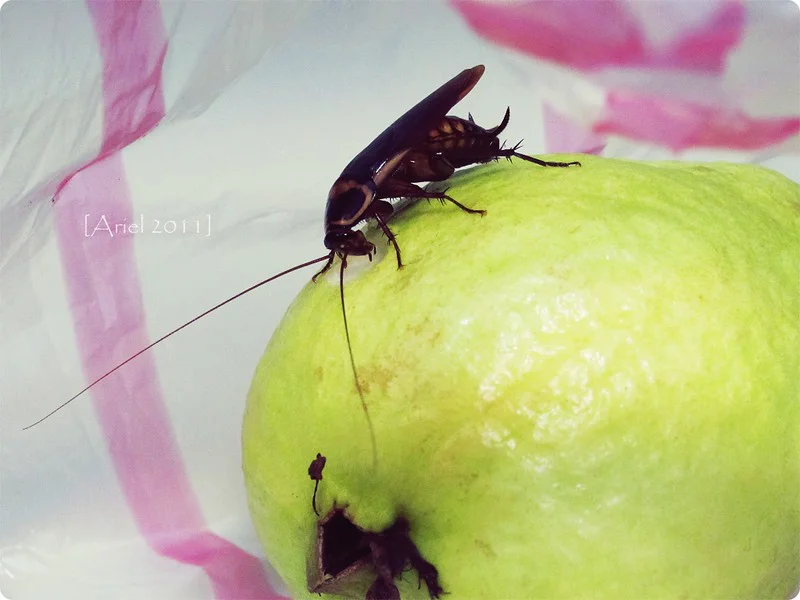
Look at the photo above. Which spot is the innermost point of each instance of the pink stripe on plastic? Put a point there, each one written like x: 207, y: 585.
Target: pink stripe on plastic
x: 109, y: 317
x: 562, y: 135
x: 707, y: 48
x: 132, y: 94
x: 133, y: 44
x: 679, y: 125
x: 603, y: 33
x: 108, y: 312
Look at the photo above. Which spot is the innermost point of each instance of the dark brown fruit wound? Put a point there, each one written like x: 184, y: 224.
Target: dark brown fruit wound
x: 346, y: 558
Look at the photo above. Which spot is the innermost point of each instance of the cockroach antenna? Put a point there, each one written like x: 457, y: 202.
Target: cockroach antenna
x: 173, y: 332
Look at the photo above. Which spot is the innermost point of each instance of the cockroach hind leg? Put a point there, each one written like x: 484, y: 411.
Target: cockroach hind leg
x: 512, y: 152
x: 442, y: 196
x: 473, y: 211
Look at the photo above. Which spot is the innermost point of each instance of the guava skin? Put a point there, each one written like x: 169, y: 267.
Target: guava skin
x: 591, y: 392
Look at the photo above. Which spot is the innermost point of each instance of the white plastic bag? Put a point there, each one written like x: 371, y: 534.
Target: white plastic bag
x: 190, y: 148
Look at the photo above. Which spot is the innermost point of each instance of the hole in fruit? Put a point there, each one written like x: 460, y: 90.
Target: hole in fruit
x: 349, y: 561
x: 343, y: 544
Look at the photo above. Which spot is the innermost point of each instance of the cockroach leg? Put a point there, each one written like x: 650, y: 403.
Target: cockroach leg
x: 443, y: 195
x: 509, y: 152
x: 382, y: 209
x: 326, y: 267
x: 399, y: 189
x: 388, y: 233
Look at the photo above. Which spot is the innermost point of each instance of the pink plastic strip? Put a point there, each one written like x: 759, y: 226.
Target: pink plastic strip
x: 562, y: 135
x: 603, y: 33
x: 607, y: 33
x: 679, y: 125
x: 109, y: 317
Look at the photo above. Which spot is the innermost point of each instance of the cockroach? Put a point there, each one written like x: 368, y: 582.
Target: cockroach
x: 415, y: 147
x: 356, y: 195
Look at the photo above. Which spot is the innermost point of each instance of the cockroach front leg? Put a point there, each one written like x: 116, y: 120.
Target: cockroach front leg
x: 326, y: 267
x: 381, y: 211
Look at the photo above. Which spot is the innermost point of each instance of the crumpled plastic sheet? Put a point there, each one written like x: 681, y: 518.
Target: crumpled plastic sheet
x: 157, y: 157
x: 676, y: 73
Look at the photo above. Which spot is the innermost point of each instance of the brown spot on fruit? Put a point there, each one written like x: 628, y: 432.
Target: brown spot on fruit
x: 485, y: 549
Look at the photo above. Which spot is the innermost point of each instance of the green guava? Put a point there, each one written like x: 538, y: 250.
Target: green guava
x: 593, y: 391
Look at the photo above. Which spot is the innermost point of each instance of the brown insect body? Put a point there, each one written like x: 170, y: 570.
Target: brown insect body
x: 453, y: 143
x: 457, y: 143
x: 463, y: 141
x: 354, y: 196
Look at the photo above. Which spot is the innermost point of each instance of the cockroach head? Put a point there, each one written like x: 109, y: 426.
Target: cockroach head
x: 348, y: 242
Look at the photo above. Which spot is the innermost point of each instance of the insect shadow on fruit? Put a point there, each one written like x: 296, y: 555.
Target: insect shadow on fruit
x: 347, y: 560
x: 315, y: 472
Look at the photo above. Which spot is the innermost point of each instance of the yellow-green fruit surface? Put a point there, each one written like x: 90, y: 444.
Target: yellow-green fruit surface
x: 591, y: 392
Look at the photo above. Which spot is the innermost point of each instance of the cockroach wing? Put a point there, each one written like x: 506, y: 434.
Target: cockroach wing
x: 411, y: 129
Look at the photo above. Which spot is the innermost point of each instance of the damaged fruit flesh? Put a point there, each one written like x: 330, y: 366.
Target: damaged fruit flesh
x: 345, y: 557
